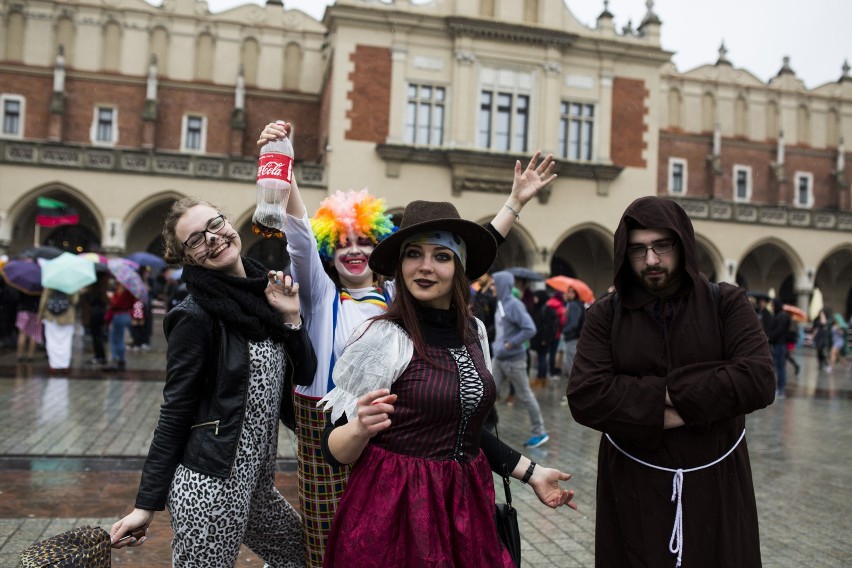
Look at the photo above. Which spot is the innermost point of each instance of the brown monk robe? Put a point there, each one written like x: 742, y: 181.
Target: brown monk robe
x: 668, y: 366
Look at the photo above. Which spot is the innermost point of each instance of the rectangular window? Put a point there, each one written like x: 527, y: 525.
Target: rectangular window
x: 505, y: 109
x: 504, y: 121
x: 742, y: 183
x: 12, y: 107
x: 576, y: 131
x: 194, y: 133
x: 103, y: 130
x: 677, y: 176
x: 804, y: 189
x: 424, y: 117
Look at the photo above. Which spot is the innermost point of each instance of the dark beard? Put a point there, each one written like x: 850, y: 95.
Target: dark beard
x: 663, y: 285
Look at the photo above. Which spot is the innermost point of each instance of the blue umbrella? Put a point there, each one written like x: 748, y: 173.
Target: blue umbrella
x: 147, y: 259
x: 68, y: 273
x: 23, y: 275
x: 525, y: 273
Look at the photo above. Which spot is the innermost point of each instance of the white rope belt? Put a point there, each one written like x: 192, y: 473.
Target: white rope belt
x: 676, y: 540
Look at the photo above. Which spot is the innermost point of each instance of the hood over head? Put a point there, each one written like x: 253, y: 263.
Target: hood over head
x: 653, y: 213
x: 503, y: 282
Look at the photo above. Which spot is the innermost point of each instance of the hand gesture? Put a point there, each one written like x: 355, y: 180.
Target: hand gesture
x: 135, y: 525
x: 274, y: 131
x: 527, y: 183
x: 283, y: 295
x: 374, y: 410
x: 545, y: 483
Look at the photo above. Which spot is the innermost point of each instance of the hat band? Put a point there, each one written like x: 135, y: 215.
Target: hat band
x: 440, y: 238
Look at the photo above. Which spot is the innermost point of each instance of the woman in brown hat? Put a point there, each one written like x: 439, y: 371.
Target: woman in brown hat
x: 330, y: 254
x: 413, y: 388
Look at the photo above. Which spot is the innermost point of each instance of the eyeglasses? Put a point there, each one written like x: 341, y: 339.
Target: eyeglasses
x: 196, y: 239
x: 660, y: 248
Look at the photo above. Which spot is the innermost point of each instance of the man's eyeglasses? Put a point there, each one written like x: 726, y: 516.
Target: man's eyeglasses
x: 196, y: 239
x: 660, y: 248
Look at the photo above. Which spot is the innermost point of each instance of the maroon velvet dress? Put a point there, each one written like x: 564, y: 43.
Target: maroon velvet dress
x: 422, y: 493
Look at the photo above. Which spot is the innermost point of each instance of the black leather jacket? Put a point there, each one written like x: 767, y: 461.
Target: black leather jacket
x: 204, y: 397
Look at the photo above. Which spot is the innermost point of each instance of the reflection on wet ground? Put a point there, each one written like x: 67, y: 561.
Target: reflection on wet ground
x: 71, y: 449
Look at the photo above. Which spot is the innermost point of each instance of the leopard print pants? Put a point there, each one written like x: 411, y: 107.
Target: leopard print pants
x: 211, y: 517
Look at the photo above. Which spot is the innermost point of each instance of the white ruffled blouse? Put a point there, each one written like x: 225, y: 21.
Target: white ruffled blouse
x: 374, y: 359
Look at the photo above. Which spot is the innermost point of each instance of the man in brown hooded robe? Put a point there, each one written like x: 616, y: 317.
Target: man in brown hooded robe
x: 667, y: 367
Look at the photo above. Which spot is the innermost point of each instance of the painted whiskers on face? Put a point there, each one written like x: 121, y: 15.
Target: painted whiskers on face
x: 221, y: 239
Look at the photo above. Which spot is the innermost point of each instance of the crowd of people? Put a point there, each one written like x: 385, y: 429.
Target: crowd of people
x: 384, y: 350
x: 107, y: 313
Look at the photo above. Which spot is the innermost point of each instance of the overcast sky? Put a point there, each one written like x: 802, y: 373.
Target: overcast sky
x: 758, y: 33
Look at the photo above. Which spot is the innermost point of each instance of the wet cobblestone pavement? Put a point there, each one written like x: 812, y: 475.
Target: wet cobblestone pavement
x: 71, y: 449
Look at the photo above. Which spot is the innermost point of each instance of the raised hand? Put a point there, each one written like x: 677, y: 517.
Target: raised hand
x: 274, y: 131
x: 528, y: 182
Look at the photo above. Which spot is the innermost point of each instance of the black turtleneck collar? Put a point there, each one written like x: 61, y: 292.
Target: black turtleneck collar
x: 439, y: 327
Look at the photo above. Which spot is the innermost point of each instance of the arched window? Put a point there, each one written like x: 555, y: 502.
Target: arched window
x: 159, y: 46
x: 292, y: 66
x: 112, y: 46
x: 832, y: 134
x: 15, y: 36
x: 741, y: 117
x: 803, y: 125
x: 675, y: 108
x: 204, y: 57
x: 708, y: 112
x: 531, y: 11
x: 248, y: 58
x: 771, y: 120
x: 64, y: 36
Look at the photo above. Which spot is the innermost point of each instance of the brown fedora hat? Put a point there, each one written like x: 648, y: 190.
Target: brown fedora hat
x: 423, y: 216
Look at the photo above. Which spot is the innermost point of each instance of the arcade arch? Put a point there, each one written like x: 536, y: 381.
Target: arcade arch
x: 834, y: 279
x: 771, y: 264
x: 586, y: 252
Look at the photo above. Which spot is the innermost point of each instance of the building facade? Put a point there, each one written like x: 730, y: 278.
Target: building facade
x: 145, y: 104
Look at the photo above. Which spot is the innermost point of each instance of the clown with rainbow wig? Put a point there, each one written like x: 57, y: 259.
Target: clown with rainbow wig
x: 329, y: 256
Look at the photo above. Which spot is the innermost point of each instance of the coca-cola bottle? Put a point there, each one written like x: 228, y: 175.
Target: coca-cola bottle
x: 274, y: 177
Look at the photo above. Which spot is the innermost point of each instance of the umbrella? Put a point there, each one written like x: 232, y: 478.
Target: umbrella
x: 758, y: 295
x: 125, y: 272
x: 23, y: 275
x: 45, y: 251
x: 147, y: 259
x: 796, y: 313
x: 525, y: 273
x: 98, y: 259
x: 562, y: 283
x: 67, y: 273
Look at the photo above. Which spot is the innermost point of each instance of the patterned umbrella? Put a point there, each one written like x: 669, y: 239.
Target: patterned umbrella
x: 67, y: 273
x: 125, y: 272
x: 23, y: 275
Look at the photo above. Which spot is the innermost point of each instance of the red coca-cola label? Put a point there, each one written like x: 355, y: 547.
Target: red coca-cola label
x: 276, y: 166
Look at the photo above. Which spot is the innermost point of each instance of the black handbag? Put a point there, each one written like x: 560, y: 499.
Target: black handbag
x: 506, y: 518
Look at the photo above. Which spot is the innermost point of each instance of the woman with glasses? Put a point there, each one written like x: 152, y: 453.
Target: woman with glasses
x: 330, y: 254
x: 235, y: 348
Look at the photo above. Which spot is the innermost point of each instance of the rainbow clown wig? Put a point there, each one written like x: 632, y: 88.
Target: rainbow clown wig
x: 351, y: 213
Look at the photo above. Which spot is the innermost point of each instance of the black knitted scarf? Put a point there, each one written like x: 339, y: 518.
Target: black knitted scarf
x: 238, y: 302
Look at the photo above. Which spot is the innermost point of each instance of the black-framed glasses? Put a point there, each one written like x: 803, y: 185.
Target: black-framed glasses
x: 660, y: 248
x: 196, y: 239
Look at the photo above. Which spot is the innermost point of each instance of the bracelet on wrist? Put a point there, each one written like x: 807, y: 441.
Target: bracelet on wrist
x: 528, y: 474
x: 512, y: 210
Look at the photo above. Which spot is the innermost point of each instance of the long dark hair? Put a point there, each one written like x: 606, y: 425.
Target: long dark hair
x: 404, y: 307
